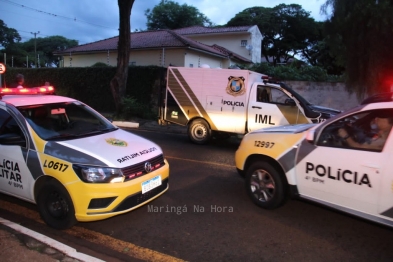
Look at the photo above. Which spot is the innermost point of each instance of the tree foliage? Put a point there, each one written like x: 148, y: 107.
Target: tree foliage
x: 171, y: 15
x: 295, y: 73
x: 317, y: 52
x: 23, y: 52
x: 287, y: 30
x: 360, y: 34
x: 48, y: 45
x: 8, y: 35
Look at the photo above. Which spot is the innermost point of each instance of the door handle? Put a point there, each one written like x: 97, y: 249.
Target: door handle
x: 257, y: 107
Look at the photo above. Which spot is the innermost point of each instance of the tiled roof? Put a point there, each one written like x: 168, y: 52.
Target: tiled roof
x: 193, y: 30
x: 150, y: 40
x: 106, y: 44
x: 231, y: 54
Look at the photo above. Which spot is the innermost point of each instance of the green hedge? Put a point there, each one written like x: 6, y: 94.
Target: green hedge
x: 91, y: 85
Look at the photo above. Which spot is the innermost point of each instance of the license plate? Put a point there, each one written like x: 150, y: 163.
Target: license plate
x: 150, y: 184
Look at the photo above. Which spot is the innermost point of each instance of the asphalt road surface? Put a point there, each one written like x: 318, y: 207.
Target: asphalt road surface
x: 206, y: 216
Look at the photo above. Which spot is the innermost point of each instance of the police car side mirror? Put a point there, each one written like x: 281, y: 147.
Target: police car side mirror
x: 310, y: 136
x: 12, y: 139
x: 290, y: 101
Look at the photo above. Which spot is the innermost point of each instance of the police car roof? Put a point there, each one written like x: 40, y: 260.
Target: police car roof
x: 25, y: 100
x: 371, y: 106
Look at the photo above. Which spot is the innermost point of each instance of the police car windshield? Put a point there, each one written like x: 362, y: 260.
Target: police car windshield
x: 65, y: 121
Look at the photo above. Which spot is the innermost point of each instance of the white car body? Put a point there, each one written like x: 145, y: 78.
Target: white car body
x: 310, y: 162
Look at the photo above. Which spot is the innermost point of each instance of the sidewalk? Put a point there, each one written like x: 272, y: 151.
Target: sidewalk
x: 152, y: 125
x: 21, y: 244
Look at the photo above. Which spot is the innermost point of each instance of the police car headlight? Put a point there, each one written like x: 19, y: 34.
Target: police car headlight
x: 92, y: 174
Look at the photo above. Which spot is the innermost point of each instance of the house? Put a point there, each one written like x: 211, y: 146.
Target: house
x: 243, y: 40
x: 188, y: 47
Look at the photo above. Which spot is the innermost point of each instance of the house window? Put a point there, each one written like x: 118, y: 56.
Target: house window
x: 191, y: 65
x: 243, y: 43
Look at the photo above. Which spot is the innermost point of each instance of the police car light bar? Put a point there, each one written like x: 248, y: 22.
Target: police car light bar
x: 42, y: 90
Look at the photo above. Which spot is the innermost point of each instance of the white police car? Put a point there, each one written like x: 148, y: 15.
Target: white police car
x: 343, y: 163
x: 71, y: 161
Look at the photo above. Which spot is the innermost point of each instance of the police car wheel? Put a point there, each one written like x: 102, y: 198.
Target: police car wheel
x: 265, y: 186
x: 55, y: 206
x: 199, y: 131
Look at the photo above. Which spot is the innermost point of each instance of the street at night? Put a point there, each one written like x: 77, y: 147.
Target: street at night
x: 207, y: 216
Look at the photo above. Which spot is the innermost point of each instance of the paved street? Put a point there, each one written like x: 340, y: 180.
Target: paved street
x: 207, y: 216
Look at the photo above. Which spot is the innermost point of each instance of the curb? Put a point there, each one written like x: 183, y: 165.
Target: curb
x: 125, y: 124
x: 67, y: 250
x: 153, y: 125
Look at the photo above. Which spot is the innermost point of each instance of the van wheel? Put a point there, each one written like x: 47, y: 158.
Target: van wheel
x: 199, y: 131
x: 55, y: 206
x: 265, y: 186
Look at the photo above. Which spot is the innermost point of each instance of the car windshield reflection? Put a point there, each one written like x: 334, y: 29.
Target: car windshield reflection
x: 64, y: 121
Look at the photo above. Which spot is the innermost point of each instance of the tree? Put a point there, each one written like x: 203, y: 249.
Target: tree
x: 18, y: 54
x: 360, y: 34
x: 286, y: 29
x: 317, y: 52
x: 8, y: 35
x: 170, y: 15
x: 45, y: 48
x: 315, y: 44
x: 119, y: 81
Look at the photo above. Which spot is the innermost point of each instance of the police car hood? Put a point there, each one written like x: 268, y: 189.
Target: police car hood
x: 290, y: 129
x: 114, y: 149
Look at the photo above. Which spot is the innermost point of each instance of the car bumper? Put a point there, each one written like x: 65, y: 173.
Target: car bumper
x: 100, y: 201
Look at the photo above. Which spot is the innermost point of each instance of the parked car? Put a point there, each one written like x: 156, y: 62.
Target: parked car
x: 344, y: 162
x: 71, y: 161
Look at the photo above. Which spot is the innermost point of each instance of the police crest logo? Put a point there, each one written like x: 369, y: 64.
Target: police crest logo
x: 116, y: 142
x: 236, y: 86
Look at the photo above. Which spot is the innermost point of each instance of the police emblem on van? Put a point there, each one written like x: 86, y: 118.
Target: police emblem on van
x: 236, y: 86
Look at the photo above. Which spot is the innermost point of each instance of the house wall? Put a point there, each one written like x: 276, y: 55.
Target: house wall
x: 140, y: 57
x: 89, y: 59
x: 198, y: 59
x: 174, y: 57
x: 162, y: 57
x: 146, y: 57
x: 256, y: 43
x: 233, y: 42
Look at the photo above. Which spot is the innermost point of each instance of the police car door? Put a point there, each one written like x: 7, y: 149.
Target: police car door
x: 332, y: 172
x: 15, y: 177
x: 386, y: 191
x: 270, y: 106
